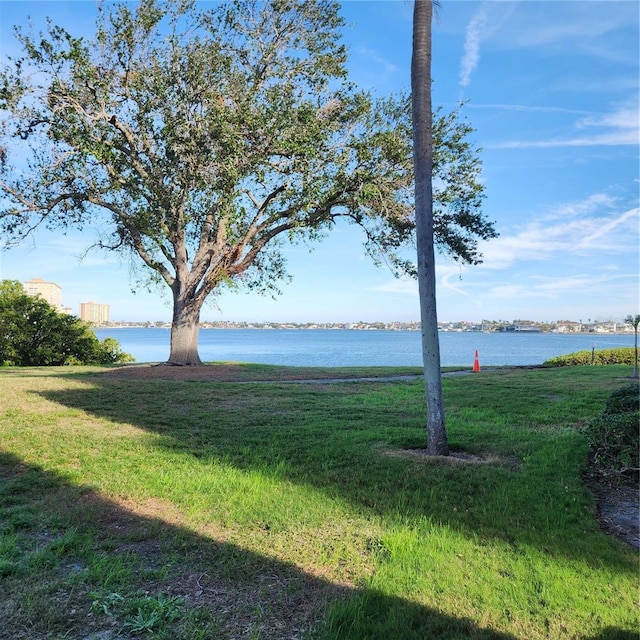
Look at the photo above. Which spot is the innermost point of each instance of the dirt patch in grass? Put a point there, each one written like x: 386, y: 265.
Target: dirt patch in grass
x: 272, y: 605
x: 455, y: 458
x: 618, y: 508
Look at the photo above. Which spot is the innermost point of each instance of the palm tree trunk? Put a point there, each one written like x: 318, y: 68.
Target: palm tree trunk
x: 437, y: 443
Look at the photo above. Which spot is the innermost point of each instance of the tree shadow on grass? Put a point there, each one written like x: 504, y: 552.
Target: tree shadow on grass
x: 75, y: 565
x: 318, y: 436
x: 614, y: 634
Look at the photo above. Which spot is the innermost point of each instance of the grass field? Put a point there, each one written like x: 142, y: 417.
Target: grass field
x: 149, y: 508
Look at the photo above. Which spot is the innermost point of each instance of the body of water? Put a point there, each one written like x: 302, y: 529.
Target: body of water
x: 344, y: 347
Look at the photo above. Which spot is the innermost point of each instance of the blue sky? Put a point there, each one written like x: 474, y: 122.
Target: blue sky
x: 552, y: 91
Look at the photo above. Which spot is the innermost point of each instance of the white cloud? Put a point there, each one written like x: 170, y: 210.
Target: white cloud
x: 510, y: 292
x: 451, y: 282
x: 578, y: 228
x: 624, y: 118
x: 612, y: 139
x: 593, y: 203
x: 527, y: 108
x: 448, y: 273
x: 374, y: 56
x: 399, y: 286
x: 619, y: 127
x: 605, y: 229
x: 591, y: 30
x: 558, y: 286
x: 562, y: 287
x: 471, y: 58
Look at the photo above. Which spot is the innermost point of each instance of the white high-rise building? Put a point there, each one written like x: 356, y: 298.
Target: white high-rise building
x: 94, y: 312
x: 48, y: 291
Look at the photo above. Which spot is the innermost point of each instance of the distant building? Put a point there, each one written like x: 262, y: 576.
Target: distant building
x: 521, y: 328
x: 94, y: 312
x: 48, y: 291
x: 568, y: 326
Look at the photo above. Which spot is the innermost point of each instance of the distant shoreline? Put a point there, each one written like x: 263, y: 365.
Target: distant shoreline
x: 364, y: 326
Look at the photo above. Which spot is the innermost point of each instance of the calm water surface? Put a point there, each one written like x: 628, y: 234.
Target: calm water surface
x: 343, y: 347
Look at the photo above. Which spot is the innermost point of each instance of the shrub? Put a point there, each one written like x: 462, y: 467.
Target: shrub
x: 108, y: 351
x: 33, y: 333
x: 621, y: 355
x: 623, y: 400
x: 613, y: 436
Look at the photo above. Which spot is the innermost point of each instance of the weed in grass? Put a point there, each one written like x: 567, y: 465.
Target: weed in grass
x: 147, y: 613
x: 106, y: 602
x: 140, y: 613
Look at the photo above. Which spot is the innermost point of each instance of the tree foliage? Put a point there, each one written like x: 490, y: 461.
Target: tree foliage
x: 200, y: 140
x: 33, y: 333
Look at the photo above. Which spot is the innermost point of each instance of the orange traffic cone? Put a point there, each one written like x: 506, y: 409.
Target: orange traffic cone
x: 476, y: 364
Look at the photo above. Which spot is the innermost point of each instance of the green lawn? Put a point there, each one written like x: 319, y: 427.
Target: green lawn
x: 184, y: 510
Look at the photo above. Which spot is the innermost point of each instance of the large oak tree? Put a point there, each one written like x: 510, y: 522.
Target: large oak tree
x: 202, y: 140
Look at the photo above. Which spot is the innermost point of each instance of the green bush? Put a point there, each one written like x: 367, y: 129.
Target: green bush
x: 623, y: 400
x: 33, y: 334
x: 613, y: 436
x: 621, y: 355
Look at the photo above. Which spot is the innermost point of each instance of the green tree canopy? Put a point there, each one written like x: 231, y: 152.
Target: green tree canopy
x: 201, y: 140
x: 33, y: 333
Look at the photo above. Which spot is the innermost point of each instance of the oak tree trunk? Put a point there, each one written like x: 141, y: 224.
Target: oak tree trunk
x: 185, y: 328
